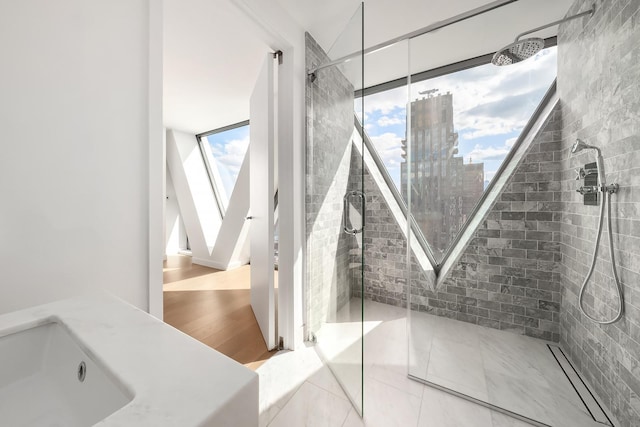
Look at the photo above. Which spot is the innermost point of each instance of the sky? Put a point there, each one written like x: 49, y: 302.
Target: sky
x: 491, y: 105
x: 228, y: 149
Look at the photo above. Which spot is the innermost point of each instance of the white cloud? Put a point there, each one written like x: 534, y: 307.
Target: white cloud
x: 388, y: 121
x: 389, y: 148
x: 492, y: 100
x: 488, y: 127
x: 481, y: 154
x: 231, y: 154
x: 387, y: 101
x: 228, y: 158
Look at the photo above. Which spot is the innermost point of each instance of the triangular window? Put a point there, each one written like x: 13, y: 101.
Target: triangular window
x: 224, y: 151
x: 463, y: 125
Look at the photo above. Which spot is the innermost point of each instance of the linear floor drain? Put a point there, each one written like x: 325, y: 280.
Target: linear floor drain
x: 588, y: 399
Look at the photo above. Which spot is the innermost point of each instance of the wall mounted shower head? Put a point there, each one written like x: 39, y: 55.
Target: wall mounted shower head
x: 580, y: 145
x: 520, y: 50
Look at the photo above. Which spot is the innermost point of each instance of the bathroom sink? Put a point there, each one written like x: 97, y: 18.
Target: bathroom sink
x: 46, y: 379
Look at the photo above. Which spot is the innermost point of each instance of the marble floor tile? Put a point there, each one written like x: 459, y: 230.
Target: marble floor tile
x: 451, y: 329
x: 502, y: 420
x: 569, y: 411
x: 267, y: 415
x: 506, y: 361
x: 386, y: 356
x: 353, y: 419
x: 511, y: 371
x: 387, y: 406
x: 440, y: 409
x: 313, y: 406
x: 282, y: 375
x: 325, y: 379
x: 459, y: 366
x: 394, y: 376
x: 517, y: 395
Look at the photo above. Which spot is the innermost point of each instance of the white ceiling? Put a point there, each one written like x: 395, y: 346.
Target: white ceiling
x: 211, y: 60
x: 212, y: 54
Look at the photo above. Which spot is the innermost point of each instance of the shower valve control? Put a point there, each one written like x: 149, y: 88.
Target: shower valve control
x: 582, y: 173
x: 590, y: 189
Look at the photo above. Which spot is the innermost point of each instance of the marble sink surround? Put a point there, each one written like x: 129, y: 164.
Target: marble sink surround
x: 174, y: 379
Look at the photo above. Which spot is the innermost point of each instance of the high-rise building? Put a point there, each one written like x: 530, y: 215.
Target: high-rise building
x: 444, y: 190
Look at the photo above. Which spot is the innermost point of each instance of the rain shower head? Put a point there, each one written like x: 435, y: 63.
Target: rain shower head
x: 580, y: 145
x: 523, y: 49
x: 518, y: 51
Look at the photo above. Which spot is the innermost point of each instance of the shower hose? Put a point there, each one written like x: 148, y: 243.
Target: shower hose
x: 606, y: 194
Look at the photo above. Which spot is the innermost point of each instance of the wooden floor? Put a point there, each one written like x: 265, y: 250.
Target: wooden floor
x: 214, y: 307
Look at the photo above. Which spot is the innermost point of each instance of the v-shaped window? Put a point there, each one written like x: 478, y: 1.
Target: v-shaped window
x: 463, y: 126
x: 224, y: 151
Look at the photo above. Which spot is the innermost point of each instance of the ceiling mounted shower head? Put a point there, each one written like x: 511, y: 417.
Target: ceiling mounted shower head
x: 518, y: 51
x: 523, y: 49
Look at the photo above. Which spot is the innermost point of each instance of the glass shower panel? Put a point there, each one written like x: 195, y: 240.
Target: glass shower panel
x: 335, y: 209
x: 476, y: 332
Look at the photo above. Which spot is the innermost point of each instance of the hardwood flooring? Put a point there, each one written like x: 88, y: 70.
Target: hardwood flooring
x: 214, y: 307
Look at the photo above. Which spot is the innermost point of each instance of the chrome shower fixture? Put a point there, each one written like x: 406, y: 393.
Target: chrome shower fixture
x: 580, y: 145
x: 520, y: 50
x: 607, y: 192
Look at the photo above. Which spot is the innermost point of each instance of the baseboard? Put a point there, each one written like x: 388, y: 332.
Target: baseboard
x: 217, y: 265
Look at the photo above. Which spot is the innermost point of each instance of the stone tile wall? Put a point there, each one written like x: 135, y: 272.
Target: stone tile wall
x: 328, y: 158
x: 508, y: 276
x: 599, y: 80
x: 385, y: 249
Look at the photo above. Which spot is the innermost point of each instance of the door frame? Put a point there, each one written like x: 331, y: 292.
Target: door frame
x: 279, y: 32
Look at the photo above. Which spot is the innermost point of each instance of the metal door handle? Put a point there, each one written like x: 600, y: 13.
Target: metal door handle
x: 346, y: 212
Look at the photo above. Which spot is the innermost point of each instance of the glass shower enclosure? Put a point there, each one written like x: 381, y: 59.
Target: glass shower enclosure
x: 399, y: 162
x: 335, y: 208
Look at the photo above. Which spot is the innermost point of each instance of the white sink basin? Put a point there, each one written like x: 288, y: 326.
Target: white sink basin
x: 40, y: 383
x: 140, y: 372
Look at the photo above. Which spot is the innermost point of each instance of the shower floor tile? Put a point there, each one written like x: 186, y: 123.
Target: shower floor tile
x: 511, y: 371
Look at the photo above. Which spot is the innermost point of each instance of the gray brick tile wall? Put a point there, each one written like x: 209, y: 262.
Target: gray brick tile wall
x: 509, y: 275
x: 328, y: 156
x: 598, y: 75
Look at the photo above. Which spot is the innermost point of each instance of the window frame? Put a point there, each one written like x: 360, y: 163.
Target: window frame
x: 215, y: 186
x: 429, y: 74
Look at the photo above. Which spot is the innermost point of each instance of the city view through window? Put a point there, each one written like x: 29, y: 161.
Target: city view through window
x: 463, y: 125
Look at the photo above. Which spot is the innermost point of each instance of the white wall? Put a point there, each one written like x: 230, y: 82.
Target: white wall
x: 215, y: 242
x: 74, y: 166
x: 175, y: 235
x: 193, y: 191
